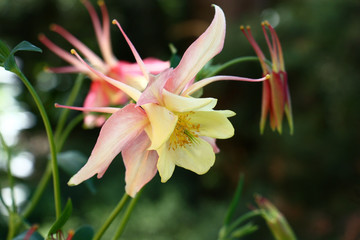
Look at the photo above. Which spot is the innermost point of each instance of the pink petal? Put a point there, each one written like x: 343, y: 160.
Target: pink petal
x: 90, y: 55
x: 256, y: 47
x: 155, y: 66
x: 200, y: 84
x: 212, y: 142
x: 277, y: 99
x: 133, y: 50
x: 62, y: 53
x: 102, y: 33
x: 130, y: 91
x: 120, y: 129
x: 209, y: 44
x: 265, y: 105
x: 140, y: 163
x: 90, y: 109
x: 153, y: 92
x: 65, y: 69
x: 96, y: 96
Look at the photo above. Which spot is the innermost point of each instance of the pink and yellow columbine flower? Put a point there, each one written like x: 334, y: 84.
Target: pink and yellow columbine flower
x: 101, y: 93
x: 166, y: 127
x: 276, y: 95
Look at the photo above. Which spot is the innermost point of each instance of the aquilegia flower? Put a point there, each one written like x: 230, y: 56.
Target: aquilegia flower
x: 166, y: 127
x: 101, y: 93
x: 276, y: 95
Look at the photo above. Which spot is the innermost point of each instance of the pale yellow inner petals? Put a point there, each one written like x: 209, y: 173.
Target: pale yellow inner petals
x: 162, y: 122
x: 178, y: 103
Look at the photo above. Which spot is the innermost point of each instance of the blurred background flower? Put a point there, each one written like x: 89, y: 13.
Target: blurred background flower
x: 312, y: 177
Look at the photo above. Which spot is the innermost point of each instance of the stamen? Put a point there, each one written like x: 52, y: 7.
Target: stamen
x: 185, y: 132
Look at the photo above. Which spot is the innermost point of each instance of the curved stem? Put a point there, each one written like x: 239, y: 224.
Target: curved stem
x: 60, y: 139
x: 112, y: 216
x: 50, y: 136
x: 126, y: 216
x: 234, y: 61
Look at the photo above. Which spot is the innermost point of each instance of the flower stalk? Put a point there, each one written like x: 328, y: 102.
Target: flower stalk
x: 111, y: 217
x: 49, y: 132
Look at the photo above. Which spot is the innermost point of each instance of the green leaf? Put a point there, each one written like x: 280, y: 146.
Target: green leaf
x: 25, y: 46
x: 174, y: 59
x: 62, y: 219
x: 10, y: 63
x: 235, y: 201
x: 71, y: 162
x: 34, y: 236
x: 84, y: 233
x: 4, y: 52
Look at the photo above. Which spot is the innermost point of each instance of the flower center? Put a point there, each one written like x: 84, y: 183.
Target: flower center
x: 185, y: 132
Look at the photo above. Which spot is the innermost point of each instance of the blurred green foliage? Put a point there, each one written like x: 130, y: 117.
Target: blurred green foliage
x: 312, y: 176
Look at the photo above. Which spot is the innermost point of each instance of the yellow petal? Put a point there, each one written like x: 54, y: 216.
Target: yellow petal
x: 197, y: 157
x: 178, y: 103
x: 162, y: 123
x: 213, y: 123
x: 165, y: 164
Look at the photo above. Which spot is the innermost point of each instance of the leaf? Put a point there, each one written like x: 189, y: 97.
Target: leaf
x: 4, y: 52
x: 62, y: 219
x: 10, y: 63
x: 25, y: 46
x: 174, y: 59
x: 235, y: 201
x: 84, y: 233
x: 71, y: 162
x: 34, y: 236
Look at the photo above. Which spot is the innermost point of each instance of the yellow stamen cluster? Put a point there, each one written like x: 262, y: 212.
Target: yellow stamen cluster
x: 185, y: 132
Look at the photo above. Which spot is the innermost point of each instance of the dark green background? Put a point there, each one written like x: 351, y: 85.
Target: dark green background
x: 312, y: 176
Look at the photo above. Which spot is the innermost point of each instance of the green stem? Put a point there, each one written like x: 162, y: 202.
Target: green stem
x: 60, y: 139
x: 48, y: 171
x: 126, y: 216
x: 3, y: 202
x: 65, y: 112
x: 112, y: 216
x: 233, y: 62
x: 241, y: 219
x: 50, y: 136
